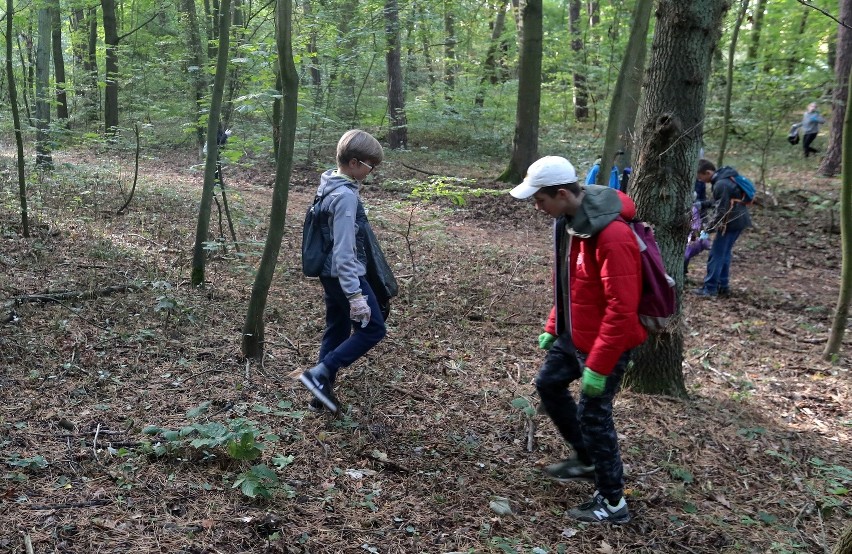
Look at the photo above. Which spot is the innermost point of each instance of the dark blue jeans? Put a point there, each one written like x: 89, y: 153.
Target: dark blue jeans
x: 589, y: 428
x: 344, y: 340
x: 719, y: 262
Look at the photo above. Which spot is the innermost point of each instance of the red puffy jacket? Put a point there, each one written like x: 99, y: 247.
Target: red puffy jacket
x: 605, y: 276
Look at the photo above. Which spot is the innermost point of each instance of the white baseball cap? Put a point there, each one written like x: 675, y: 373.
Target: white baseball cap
x: 545, y: 172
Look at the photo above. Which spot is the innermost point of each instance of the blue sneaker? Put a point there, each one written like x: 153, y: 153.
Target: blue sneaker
x: 317, y: 382
x: 704, y: 293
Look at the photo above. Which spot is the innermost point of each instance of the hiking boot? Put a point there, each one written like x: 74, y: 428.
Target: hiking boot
x: 315, y: 405
x: 599, y: 510
x: 317, y: 382
x: 571, y: 469
x: 725, y: 292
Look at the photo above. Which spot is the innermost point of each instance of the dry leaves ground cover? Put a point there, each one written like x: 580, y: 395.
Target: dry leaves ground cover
x: 128, y: 418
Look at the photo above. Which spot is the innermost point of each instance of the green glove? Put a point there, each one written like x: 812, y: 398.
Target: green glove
x: 546, y: 340
x: 593, y: 382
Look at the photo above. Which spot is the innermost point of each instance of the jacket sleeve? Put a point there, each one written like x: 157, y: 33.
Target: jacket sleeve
x: 550, y: 326
x: 344, y: 258
x: 621, y: 275
x: 722, y: 197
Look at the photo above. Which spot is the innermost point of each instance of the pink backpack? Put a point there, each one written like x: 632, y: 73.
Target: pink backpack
x: 658, y: 303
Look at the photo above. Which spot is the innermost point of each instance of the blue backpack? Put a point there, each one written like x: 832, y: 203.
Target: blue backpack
x: 745, y: 184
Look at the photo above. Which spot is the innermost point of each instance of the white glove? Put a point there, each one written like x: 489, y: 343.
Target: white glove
x: 359, y: 310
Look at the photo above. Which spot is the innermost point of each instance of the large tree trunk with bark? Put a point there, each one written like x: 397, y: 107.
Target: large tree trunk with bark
x: 525, y: 142
x: 830, y: 164
x: 111, y: 88
x: 253, y: 329
x: 398, y: 133
x: 685, y: 36
x: 625, y: 97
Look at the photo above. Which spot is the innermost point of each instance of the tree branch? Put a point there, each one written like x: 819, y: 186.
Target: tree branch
x: 127, y: 34
x: 823, y: 12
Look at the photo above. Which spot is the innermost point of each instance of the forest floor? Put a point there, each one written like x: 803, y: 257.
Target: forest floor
x: 110, y: 395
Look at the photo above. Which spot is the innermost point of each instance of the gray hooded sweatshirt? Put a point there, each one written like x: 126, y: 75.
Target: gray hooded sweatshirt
x: 345, y: 224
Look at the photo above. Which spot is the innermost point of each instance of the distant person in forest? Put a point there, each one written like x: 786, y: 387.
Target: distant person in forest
x: 592, y: 328
x: 810, y: 128
x: 730, y: 218
x: 353, y: 318
x: 698, y: 241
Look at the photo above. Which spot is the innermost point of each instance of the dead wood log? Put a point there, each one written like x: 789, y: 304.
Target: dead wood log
x: 58, y: 297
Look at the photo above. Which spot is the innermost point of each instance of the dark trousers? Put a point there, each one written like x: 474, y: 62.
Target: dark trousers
x: 806, y: 144
x: 719, y: 262
x: 344, y: 340
x: 589, y: 428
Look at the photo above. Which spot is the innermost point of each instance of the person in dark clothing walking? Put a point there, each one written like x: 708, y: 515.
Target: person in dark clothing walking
x: 592, y: 328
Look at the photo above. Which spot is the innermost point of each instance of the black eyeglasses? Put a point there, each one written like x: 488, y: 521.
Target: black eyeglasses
x: 372, y: 167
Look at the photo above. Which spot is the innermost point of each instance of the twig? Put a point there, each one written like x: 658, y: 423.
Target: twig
x: 420, y: 170
x: 135, y: 172
x: 68, y: 506
x: 28, y: 545
x: 95, y: 442
x: 823, y: 12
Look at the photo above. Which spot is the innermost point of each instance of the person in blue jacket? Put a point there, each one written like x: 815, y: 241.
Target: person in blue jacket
x: 810, y: 128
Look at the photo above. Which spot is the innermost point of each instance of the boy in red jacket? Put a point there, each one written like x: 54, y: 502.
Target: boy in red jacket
x: 592, y: 328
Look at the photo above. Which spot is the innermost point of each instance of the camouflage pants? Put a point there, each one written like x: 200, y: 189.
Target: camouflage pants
x: 589, y: 427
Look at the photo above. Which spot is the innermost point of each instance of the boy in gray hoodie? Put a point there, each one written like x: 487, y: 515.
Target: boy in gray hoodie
x: 353, y: 319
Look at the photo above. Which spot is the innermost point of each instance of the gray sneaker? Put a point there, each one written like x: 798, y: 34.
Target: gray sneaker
x: 571, y: 469
x: 599, y: 510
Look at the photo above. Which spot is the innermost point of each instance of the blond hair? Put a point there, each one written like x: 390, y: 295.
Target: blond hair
x: 359, y: 145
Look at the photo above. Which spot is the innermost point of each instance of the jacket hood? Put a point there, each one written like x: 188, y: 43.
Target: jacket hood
x: 332, y: 179
x: 600, y: 206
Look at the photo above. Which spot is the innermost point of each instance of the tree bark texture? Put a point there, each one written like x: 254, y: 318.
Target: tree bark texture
x: 44, y: 159
x: 489, y: 67
x: 111, y: 88
x: 253, y: 329
x: 830, y: 164
x: 756, y: 28
x: 841, y: 311
x: 59, y: 65
x: 729, y: 83
x: 398, y: 132
x: 450, y: 63
x: 196, y: 69
x: 625, y: 97
x: 581, y: 93
x: 203, y: 226
x: 685, y: 35
x: 525, y: 142
x: 16, y: 120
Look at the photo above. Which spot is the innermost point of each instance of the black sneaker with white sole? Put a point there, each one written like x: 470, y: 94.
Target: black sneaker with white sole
x: 599, y: 510
x: 318, y: 384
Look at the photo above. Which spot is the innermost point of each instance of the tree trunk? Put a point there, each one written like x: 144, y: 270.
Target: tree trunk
x: 16, y: 121
x: 685, y: 36
x: 253, y: 330
x: 196, y: 69
x: 525, y: 142
x: 625, y: 96
x: 756, y: 28
x: 841, y: 312
x: 313, y: 53
x: 203, y: 226
x: 729, y: 83
x: 44, y: 159
x: 844, y: 543
x: 581, y: 94
x: 398, y: 133
x: 59, y: 65
x: 90, y: 66
x: 489, y: 67
x: 111, y: 46
x: 793, y: 60
x: 830, y: 164
x: 450, y: 64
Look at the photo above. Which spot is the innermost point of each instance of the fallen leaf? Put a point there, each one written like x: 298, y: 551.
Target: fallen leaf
x: 568, y: 532
x: 500, y: 505
x: 605, y: 548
